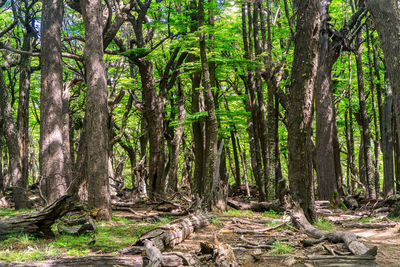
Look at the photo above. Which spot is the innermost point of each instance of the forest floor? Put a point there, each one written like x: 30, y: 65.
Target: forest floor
x: 257, y: 239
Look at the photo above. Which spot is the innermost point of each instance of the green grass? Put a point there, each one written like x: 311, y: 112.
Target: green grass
x: 281, y: 248
x: 240, y: 213
x: 324, y: 224
x: 272, y: 214
x: 215, y: 220
x: 365, y: 220
x: 110, y: 237
x: 6, y: 213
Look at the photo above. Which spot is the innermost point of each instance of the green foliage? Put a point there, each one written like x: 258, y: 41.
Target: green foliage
x: 281, y: 248
x: 324, y: 224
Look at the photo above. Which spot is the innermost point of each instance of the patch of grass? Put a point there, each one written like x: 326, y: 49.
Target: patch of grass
x: 215, y: 221
x: 120, y: 219
x: 240, y: 213
x: 365, y: 220
x: 6, y: 213
x: 324, y: 224
x: 272, y: 214
x: 110, y: 237
x: 281, y: 248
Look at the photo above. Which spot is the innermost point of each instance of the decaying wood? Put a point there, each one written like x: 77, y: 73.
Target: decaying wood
x: 257, y: 206
x: 222, y: 253
x: 168, y: 236
x: 377, y: 225
x: 170, y: 259
x: 38, y: 223
x: 349, y: 239
x: 348, y: 261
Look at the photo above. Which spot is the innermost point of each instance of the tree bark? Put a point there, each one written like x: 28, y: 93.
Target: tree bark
x: 9, y: 129
x: 300, y: 117
x: 51, y: 156
x: 329, y: 177
x: 96, y: 110
x: 387, y: 144
x: 386, y: 17
x: 211, y: 119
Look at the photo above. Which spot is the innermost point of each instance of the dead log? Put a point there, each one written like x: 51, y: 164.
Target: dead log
x: 350, y: 261
x: 349, y: 239
x: 37, y: 223
x: 168, y: 236
x: 256, y: 206
x: 369, y: 225
x: 170, y: 260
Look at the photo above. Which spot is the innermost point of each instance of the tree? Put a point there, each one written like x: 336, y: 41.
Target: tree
x: 96, y: 124
x: 300, y: 117
x: 53, y: 167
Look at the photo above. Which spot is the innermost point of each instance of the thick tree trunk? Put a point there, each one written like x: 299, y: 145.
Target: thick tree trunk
x: 300, y: 117
x: 96, y: 110
x: 329, y: 177
x: 9, y: 129
x: 51, y: 156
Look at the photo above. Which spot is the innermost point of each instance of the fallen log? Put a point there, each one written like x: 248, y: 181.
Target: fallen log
x: 257, y: 206
x: 168, y: 236
x: 37, y: 223
x: 369, y: 225
x: 349, y: 239
x: 170, y: 260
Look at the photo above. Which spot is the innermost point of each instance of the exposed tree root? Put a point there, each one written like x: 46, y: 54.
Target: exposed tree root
x: 349, y: 239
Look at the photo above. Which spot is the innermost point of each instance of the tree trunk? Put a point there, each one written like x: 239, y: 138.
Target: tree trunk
x: 363, y: 116
x: 387, y: 144
x: 51, y: 156
x: 23, y: 106
x: 211, y: 119
x: 9, y: 129
x: 154, y: 106
x: 300, y: 117
x: 96, y: 110
x: 386, y: 17
x: 175, y: 144
x: 198, y: 135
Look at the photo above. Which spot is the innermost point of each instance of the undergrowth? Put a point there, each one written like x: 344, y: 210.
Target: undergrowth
x: 281, y: 248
